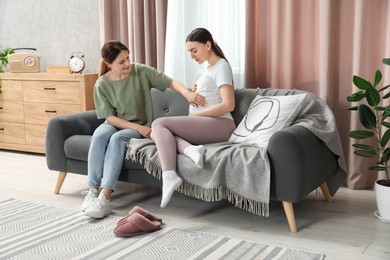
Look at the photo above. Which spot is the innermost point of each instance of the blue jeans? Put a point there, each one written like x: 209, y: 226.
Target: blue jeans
x: 106, y: 154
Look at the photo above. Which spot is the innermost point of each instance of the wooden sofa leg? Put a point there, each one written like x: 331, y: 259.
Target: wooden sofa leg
x: 325, y: 190
x: 60, y: 181
x: 289, y: 211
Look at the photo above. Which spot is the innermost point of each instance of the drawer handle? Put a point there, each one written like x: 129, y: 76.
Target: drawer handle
x: 51, y: 111
x: 49, y: 88
x: 2, y: 129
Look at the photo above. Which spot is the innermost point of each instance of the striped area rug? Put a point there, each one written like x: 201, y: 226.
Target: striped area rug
x: 34, y: 231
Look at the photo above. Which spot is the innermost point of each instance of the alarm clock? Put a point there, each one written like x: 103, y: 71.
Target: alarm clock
x: 76, y: 62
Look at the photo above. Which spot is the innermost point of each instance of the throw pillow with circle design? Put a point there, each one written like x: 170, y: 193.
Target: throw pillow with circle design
x: 265, y: 116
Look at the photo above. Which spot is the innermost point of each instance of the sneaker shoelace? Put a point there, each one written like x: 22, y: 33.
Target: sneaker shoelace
x: 96, y: 203
x: 84, y: 192
x: 87, y: 193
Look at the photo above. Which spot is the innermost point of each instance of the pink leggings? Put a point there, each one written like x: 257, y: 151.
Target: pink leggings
x: 173, y: 134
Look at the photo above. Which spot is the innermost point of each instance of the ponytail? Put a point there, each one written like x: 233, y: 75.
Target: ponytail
x: 218, y: 51
x: 103, y: 68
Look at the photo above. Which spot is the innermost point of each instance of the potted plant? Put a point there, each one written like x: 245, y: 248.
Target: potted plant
x: 4, y: 57
x: 374, y: 116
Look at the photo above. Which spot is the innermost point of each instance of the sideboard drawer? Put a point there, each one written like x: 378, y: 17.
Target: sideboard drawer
x: 51, y: 92
x: 35, y: 135
x: 12, y: 133
x: 11, y: 90
x: 11, y: 112
x: 40, y: 114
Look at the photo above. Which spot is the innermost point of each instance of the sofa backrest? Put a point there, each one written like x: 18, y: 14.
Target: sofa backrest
x: 243, y: 98
x: 172, y: 103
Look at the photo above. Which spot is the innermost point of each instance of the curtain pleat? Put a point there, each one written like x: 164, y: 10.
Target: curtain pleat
x: 140, y: 24
x: 318, y: 46
x: 113, y: 21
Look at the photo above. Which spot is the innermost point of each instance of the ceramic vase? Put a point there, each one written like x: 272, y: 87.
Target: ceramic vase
x: 383, y: 201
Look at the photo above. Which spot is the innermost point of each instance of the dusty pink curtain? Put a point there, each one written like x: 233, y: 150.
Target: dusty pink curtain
x: 140, y: 24
x: 318, y: 46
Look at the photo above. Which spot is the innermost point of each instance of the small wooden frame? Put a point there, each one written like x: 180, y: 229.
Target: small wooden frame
x: 58, y: 69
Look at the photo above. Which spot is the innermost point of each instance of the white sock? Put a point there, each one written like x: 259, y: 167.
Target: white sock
x: 171, y: 181
x: 195, y: 152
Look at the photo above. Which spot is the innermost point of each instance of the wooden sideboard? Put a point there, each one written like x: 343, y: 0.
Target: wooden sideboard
x: 29, y: 100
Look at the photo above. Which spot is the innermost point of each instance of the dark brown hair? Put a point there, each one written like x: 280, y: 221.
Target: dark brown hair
x: 109, y: 53
x: 202, y: 35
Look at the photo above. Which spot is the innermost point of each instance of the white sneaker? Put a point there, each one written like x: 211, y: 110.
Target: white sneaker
x: 100, y: 207
x: 90, y: 195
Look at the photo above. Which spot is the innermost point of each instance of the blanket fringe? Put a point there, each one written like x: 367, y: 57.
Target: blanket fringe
x: 221, y: 193
x: 150, y: 167
x: 205, y: 194
x: 250, y: 205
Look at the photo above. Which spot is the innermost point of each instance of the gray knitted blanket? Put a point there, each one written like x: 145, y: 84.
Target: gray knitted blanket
x: 240, y: 173
x: 316, y: 116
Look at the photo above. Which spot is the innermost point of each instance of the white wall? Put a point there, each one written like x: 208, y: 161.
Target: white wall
x: 56, y: 28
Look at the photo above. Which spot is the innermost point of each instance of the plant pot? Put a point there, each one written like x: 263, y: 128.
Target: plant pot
x: 382, y: 192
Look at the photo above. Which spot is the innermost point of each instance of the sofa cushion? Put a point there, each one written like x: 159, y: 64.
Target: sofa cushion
x: 77, y: 147
x: 265, y: 116
x: 168, y: 103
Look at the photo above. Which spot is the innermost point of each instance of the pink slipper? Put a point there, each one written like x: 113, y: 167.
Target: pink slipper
x: 141, y: 211
x: 136, y: 225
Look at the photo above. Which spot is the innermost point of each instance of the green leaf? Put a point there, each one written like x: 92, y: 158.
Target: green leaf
x: 367, y: 150
x: 385, y: 114
x: 373, y: 97
x: 365, y: 147
x: 385, y: 156
x: 365, y: 153
x: 4, y: 57
x: 377, y: 168
x: 386, y: 61
x: 361, y: 83
x: 367, y: 117
x: 356, y: 97
x: 361, y: 134
x: 384, y: 88
x: 386, y: 124
x: 378, y: 77
x: 9, y: 51
x: 386, y: 96
x: 385, y: 138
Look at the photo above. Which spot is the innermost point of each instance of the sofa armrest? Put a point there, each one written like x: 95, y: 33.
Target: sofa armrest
x: 62, y: 127
x: 300, y: 162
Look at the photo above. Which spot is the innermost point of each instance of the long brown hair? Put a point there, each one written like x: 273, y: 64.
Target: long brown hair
x: 109, y: 53
x: 202, y: 35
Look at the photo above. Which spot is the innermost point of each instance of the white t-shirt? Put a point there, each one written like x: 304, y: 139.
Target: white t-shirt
x: 209, y: 82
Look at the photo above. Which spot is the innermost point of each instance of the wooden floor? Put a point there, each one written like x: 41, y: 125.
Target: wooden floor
x: 343, y: 229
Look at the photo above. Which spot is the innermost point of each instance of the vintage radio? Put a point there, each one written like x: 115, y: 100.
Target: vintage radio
x: 28, y: 60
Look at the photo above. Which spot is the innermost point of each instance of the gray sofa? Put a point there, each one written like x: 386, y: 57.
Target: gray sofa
x: 300, y: 162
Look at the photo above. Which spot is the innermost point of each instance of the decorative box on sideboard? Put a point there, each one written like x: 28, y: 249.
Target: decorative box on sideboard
x: 29, y: 100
